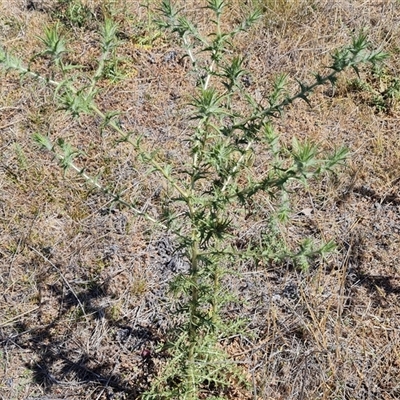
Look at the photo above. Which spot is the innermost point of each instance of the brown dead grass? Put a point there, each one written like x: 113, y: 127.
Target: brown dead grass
x: 83, y: 282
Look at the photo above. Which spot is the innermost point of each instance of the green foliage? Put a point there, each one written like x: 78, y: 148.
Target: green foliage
x: 21, y: 157
x: 217, y: 185
x: 74, y: 13
x: 109, y: 62
x: 54, y: 43
x: 381, y: 87
x: 146, y: 32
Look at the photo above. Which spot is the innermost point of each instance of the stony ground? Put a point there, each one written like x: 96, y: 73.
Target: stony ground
x: 84, y: 300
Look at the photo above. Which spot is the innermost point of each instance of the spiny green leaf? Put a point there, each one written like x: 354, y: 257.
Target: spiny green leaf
x: 43, y: 141
x: 54, y: 42
x: 108, y: 35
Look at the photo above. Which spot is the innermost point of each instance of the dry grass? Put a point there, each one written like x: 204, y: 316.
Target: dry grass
x: 83, y: 282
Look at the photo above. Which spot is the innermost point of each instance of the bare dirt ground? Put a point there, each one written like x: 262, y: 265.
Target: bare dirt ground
x: 83, y: 300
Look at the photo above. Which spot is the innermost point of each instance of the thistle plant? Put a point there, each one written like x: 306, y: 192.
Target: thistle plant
x: 206, y: 199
